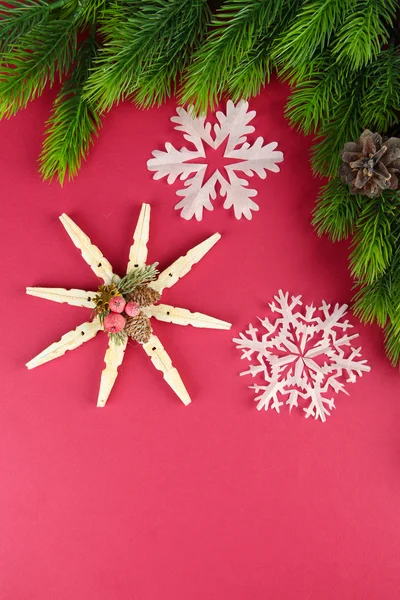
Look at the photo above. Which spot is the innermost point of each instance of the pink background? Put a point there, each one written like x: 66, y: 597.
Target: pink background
x: 147, y: 499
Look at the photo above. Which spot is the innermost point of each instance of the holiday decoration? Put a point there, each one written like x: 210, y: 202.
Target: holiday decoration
x: 303, y: 355
x: 341, y: 60
x: 134, y: 319
x: 234, y: 128
x: 370, y: 165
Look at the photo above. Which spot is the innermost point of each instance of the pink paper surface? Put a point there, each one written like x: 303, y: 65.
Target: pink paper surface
x: 148, y: 499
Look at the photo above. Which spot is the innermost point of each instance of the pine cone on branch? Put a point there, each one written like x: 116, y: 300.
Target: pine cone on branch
x: 138, y: 328
x: 144, y: 296
x: 371, y: 164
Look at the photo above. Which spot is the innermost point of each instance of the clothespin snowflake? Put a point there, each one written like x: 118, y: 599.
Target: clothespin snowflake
x: 124, y: 307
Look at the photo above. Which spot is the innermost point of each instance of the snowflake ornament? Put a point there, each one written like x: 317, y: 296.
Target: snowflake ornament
x: 92, y: 300
x: 302, y: 355
x: 232, y: 127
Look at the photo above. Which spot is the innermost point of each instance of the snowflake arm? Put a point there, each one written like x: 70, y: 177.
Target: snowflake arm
x: 138, y: 251
x: 113, y: 359
x: 162, y: 362
x: 196, y: 195
x: 238, y: 195
x: 183, y: 316
x: 72, y: 297
x: 256, y: 159
x: 233, y: 125
x: 71, y: 340
x: 183, y: 265
x: 174, y: 163
x: 195, y: 129
x: 90, y: 253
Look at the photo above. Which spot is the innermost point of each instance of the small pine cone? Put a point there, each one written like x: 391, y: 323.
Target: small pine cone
x: 144, y: 296
x: 138, y: 328
x: 371, y: 164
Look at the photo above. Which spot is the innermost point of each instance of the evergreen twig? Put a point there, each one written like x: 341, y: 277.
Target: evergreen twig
x: 137, y: 277
x: 73, y: 122
x: 146, y: 46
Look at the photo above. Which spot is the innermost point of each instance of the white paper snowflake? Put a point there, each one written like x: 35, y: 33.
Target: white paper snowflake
x: 198, y: 194
x: 300, y: 355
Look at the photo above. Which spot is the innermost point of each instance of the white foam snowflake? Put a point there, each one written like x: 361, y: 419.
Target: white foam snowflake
x: 198, y: 194
x: 302, y: 356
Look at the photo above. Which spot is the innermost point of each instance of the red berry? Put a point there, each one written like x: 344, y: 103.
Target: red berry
x: 117, y: 304
x: 113, y: 322
x: 132, y: 309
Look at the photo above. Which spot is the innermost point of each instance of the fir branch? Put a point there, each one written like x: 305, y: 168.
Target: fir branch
x: 373, y: 242
x: 137, y: 277
x: 18, y: 17
x: 344, y: 125
x: 233, y: 56
x: 91, y: 11
x: 380, y: 103
x: 41, y: 55
x: 73, y: 123
x: 314, y: 85
x: 373, y: 301
x: 147, y: 46
x: 311, y: 31
x: 364, y: 31
x: 336, y: 211
x: 392, y: 339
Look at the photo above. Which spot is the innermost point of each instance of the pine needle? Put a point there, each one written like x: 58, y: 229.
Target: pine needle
x: 73, y: 122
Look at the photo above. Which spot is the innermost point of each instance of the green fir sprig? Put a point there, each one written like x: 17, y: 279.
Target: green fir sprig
x: 137, y: 277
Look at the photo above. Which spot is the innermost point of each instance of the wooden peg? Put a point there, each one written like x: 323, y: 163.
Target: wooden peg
x: 90, y: 253
x: 161, y: 360
x: 71, y: 340
x: 183, y: 316
x: 72, y: 297
x: 182, y: 265
x: 138, y: 251
x: 113, y: 358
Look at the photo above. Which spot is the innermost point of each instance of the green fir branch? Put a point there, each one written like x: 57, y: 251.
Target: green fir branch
x: 311, y: 30
x: 380, y: 102
x: 233, y: 57
x: 364, y: 31
x: 336, y: 211
x: 18, y: 17
x: 373, y: 242
x: 39, y: 57
x: 313, y: 88
x: 73, y: 122
x: 136, y: 278
x: 373, y: 301
x: 146, y: 47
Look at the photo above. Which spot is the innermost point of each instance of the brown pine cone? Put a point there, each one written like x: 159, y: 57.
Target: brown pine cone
x: 138, y: 328
x: 144, y: 296
x: 371, y: 164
